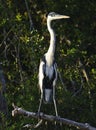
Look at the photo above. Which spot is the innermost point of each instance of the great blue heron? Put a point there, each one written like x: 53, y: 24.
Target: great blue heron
x: 47, y: 68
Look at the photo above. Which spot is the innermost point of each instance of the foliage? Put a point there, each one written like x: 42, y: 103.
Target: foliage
x: 22, y: 48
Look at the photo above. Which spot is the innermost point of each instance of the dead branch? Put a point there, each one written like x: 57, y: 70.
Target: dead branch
x: 82, y: 126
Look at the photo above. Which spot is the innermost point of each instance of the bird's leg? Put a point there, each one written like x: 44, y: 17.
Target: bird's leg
x: 55, y: 107
x: 55, y: 101
x: 40, y: 103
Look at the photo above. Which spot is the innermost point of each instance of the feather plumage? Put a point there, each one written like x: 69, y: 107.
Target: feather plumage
x: 47, y: 68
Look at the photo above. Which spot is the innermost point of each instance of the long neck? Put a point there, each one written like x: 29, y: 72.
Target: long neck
x: 51, y: 49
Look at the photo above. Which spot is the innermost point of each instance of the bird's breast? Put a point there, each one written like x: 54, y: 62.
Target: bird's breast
x: 49, y: 71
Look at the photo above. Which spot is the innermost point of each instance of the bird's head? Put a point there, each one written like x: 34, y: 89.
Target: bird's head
x: 55, y: 16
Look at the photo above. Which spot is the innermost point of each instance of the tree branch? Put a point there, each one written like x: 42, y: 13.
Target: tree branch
x: 82, y: 126
x: 83, y: 70
x: 30, y: 19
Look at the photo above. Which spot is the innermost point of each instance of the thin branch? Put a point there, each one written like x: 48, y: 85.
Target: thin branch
x: 84, y: 72
x: 17, y: 49
x: 30, y: 19
x: 88, y: 84
x: 6, y: 35
x: 82, y: 126
x: 33, y: 126
x: 81, y: 86
x: 60, y: 77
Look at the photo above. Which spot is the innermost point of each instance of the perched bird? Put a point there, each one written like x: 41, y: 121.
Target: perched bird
x: 47, y: 68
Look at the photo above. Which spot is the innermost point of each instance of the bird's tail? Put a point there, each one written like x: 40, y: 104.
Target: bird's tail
x: 48, y: 95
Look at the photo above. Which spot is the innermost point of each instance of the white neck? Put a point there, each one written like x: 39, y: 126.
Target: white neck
x: 51, y: 49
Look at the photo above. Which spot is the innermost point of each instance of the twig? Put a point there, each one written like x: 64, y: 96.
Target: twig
x: 30, y: 19
x: 82, y: 126
x: 6, y: 35
x: 64, y: 86
x: 89, y: 87
x: 33, y: 126
x: 17, y: 50
x: 84, y: 72
x: 81, y: 86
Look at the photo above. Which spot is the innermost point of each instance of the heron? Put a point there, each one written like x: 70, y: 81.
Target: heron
x: 48, y: 66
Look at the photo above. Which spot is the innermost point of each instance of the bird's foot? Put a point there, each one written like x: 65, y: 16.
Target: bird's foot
x: 39, y: 114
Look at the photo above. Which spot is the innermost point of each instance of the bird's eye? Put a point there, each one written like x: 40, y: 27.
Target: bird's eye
x: 52, y: 14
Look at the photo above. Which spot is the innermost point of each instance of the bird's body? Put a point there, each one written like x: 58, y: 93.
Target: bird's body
x: 48, y: 77
x: 47, y: 68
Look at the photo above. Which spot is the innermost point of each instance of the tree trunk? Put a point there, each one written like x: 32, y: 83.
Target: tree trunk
x: 3, y: 103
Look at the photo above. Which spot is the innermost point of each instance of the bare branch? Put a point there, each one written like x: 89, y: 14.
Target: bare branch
x: 82, y: 126
x: 30, y: 19
x: 6, y: 36
x: 80, y: 89
x: 59, y: 74
x: 34, y: 126
x: 83, y: 70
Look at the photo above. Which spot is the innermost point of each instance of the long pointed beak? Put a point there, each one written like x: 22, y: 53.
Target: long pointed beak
x: 65, y: 16
x: 61, y: 17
